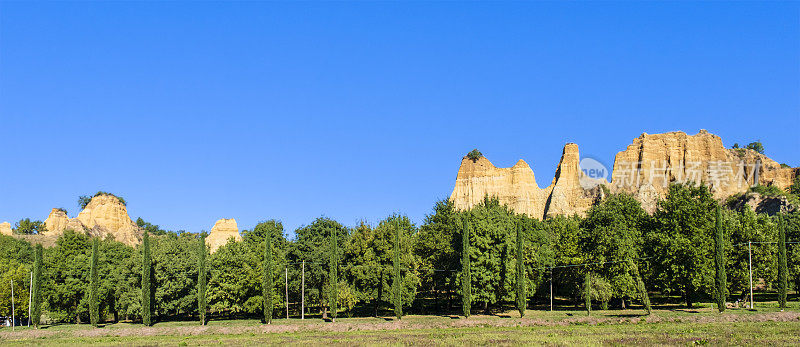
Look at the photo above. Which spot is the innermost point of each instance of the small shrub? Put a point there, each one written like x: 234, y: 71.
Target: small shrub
x: 84, y: 200
x: 474, y: 154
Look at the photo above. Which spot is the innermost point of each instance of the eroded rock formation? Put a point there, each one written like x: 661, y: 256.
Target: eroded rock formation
x: 104, y: 215
x: 5, y: 228
x: 645, y: 169
x: 652, y: 162
x: 58, y: 221
x: 223, y: 230
x: 517, y: 188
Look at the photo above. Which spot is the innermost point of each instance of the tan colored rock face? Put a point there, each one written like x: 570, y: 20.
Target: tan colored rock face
x: 56, y: 222
x: 652, y: 162
x: 223, y: 230
x: 645, y: 169
x: 5, y: 228
x: 106, y: 215
x: 517, y: 188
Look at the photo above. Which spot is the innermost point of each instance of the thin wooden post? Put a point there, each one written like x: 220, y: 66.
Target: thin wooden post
x: 287, y: 291
x: 303, y: 293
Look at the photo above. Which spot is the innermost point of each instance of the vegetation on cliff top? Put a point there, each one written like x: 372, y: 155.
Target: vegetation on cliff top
x: 84, y: 200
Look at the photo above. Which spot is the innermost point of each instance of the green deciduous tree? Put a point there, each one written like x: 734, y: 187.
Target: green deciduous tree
x: 434, y: 248
x: 681, y: 242
x: 28, y: 227
x: 595, y: 288
x: 313, y: 244
x: 94, y: 285
x: 611, y: 234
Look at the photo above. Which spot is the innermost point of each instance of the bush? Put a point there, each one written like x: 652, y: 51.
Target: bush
x: 768, y: 190
x: 474, y: 154
x: 756, y: 146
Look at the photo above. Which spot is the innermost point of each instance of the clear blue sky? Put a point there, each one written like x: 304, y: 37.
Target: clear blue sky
x: 199, y: 111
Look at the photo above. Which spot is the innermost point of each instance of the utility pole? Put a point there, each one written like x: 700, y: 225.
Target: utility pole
x: 12, y: 305
x: 750, y: 266
x: 30, y: 299
x: 303, y: 293
x: 287, y: 291
x: 551, y: 289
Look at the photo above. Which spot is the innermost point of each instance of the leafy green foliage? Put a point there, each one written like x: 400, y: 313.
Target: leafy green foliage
x: 150, y: 228
x: 595, y: 288
x: 312, y: 244
x: 611, y: 234
x: 434, y: 249
x: 370, y: 257
x: 756, y: 146
x: 474, y: 154
x: 27, y: 227
x: 681, y: 242
x: 84, y: 200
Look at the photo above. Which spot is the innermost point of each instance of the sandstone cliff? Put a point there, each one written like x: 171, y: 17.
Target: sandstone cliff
x: 5, y: 228
x: 223, y: 230
x: 104, y: 215
x: 652, y: 162
x: 517, y: 188
x: 645, y: 169
x: 58, y: 221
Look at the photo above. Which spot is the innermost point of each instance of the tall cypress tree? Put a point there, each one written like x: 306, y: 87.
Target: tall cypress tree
x: 720, y: 279
x: 202, y: 280
x: 36, y: 311
x: 521, y: 295
x: 466, y: 276
x: 94, y: 305
x: 396, y: 289
x: 640, y: 286
x: 267, y: 285
x: 782, y: 269
x: 147, y: 308
x: 334, y: 276
x: 587, y: 293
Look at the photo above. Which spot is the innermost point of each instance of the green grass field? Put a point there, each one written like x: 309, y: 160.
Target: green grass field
x: 613, y: 327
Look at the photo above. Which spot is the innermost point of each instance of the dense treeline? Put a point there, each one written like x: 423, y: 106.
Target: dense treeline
x: 398, y: 267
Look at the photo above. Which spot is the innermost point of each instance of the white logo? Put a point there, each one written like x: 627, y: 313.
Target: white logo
x: 594, y: 173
